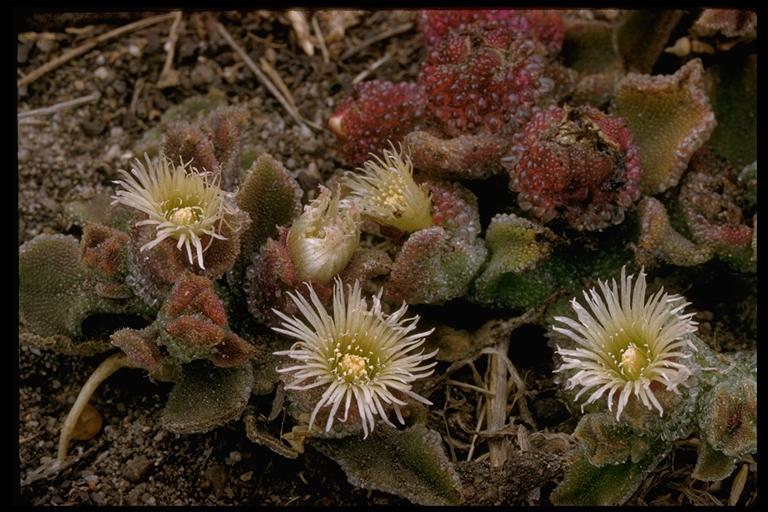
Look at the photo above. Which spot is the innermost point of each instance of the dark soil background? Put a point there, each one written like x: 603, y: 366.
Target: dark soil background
x: 75, y: 154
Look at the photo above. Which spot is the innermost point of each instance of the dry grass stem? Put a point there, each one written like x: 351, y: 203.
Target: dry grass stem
x: 90, y: 44
x: 264, y: 79
x: 320, y: 40
x: 59, y: 106
x: 399, y: 29
x: 169, y: 77
x: 99, y: 375
x: 373, y: 67
x: 277, y: 80
x: 301, y: 28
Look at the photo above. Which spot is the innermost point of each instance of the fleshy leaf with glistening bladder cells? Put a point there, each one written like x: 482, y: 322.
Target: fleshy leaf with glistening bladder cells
x: 410, y: 463
x: 206, y: 397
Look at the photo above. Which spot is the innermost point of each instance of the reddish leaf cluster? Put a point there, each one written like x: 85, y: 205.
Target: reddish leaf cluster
x: 546, y: 26
x: 484, y: 73
x: 195, y: 325
x: 579, y: 164
x: 483, y: 77
x: 376, y: 112
x: 709, y: 206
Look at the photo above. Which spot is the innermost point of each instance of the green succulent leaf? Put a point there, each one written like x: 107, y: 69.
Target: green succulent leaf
x: 712, y: 465
x: 207, y: 397
x: 271, y: 197
x: 410, y: 463
x: 612, y: 484
x: 670, y: 118
x: 433, y: 266
x: 51, y: 298
x: 733, y: 89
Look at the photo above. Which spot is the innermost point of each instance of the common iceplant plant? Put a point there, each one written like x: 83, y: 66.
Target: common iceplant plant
x: 666, y: 382
x: 218, y: 274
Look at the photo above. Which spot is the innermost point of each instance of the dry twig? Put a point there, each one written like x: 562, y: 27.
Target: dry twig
x: 99, y: 375
x: 480, y: 417
x: 370, y: 69
x: 59, y: 106
x: 264, y: 79
x: 300, y: 26
x: 737, y: 487
x: 277, y: 80
x: 405, y: 27
x: 89, y: 45
x: 496, y: 412
x: 469, y: 387
x: 137, y: 88
x: 169, y: 77
x: 320, y: 40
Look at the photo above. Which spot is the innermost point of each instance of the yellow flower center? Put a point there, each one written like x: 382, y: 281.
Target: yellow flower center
x: 633, y: 361
x: 353, y: 366
x: 351, y: 359
x: 393, y: 198
x: 185, y: 215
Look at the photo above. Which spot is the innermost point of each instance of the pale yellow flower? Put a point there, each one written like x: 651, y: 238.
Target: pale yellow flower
x: 323, y: 239
x: 356, y: 354
x: 180, y: 202
x: 386, y: 191
x: 627, y: 343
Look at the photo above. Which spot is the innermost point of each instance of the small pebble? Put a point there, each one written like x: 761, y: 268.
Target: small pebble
x: 186, y: 49
x: 202, y: 75
x: 52, y: 205
x: 98, y: 498
x: 92, y: 127
x: 102, y: 73
x: 136, y: 468
x: 246, y: 477
x: 46, y: 44
x: 233, y: 458
x: 113, y: 152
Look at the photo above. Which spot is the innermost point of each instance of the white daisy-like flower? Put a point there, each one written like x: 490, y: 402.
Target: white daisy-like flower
x: 386, y: 191
x: 182, y: 203
x: 357, y: 353
x: 323, y: 239
x: 627, y: 343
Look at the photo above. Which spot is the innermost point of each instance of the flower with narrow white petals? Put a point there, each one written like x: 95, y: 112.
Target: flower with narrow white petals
x: 387, y: 192
x: 180, y: 202
x: 323, y: 239
x: 358, y: 354
x: 627, y: 343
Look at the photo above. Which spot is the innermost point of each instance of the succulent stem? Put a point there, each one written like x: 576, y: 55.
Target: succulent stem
x: 99, y: 375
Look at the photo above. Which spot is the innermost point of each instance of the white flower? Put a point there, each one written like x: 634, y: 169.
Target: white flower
x: 182, y: 203
x: 387, y: 192
x: 357, y: 354
x: 323, y: 239
x: 627, y: 343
